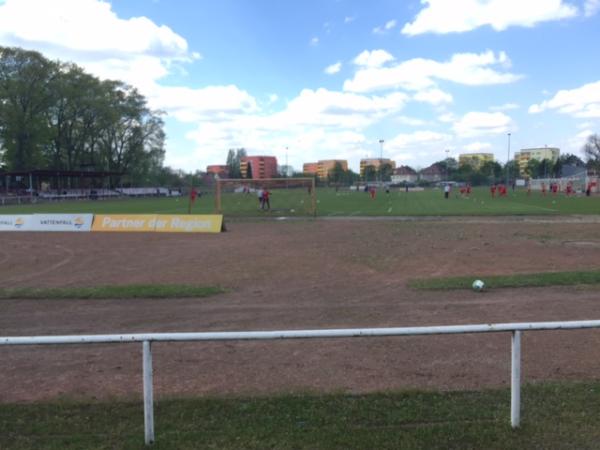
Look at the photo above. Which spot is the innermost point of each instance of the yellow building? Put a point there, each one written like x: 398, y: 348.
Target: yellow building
x: 322, y: 168
x: 523, y: 156
x: 325, y: 166
x: 475, y: 160
x: 376, y: 163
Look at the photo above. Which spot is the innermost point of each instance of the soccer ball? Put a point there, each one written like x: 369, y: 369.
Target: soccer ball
x: 478, y: 285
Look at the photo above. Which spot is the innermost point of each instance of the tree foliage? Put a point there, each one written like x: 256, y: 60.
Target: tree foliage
x: 591, y: 150
x: 54, y: 115
x: 370, y: 173
x: 385, y: 172
x: 234, y: 158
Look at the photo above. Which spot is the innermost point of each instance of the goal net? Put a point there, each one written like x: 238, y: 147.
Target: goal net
x: 269, y: 196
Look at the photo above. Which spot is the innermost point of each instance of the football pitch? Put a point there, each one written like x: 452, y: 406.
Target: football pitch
x: 296, y: 202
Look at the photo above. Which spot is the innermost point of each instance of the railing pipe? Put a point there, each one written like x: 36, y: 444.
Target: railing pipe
x: 297, y: 334
x: 148, y: 393
x: 515, y: 380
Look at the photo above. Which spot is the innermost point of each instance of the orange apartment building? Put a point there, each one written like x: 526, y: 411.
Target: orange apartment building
x: 217, y: 169
x: 310, y: 168
x: 322, y: 168
x: 261, y: 167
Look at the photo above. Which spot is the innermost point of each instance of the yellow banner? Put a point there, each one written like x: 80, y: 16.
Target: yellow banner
x: 164, y: 223
x: 124, y: 222
x: 189, y: 223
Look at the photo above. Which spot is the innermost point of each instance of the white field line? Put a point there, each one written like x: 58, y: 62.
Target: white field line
x: 535, y: 206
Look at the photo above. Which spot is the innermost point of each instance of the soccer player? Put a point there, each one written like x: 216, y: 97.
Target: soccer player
x: 259, y: 194
x: 266, y: 201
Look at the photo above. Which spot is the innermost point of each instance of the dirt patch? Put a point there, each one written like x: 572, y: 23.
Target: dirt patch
x: 296, y: 275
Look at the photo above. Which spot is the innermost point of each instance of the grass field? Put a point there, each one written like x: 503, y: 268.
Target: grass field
x: 589, y: 277
x: 555, y: 416
x: 343, y: 203
x: 111, y: 292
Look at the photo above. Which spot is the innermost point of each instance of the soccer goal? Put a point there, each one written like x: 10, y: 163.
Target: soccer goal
x: 269, y: 196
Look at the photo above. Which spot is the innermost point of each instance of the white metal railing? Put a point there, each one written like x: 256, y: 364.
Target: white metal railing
x: 147, y: 338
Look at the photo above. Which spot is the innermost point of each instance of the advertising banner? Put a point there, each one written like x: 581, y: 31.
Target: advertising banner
x: 60, y: 222
x: 189, y: 223
x: 164, y: 223
x: 124, y: 222
x: 14, y: 222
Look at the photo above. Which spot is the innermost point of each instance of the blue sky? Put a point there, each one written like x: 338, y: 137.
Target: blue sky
x: 330, y: 78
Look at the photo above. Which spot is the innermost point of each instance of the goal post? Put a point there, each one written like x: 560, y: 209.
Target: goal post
x: 267, y: 196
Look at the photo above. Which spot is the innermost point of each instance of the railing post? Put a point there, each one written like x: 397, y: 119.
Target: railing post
x: 148, y: 394
x: 515, y: 380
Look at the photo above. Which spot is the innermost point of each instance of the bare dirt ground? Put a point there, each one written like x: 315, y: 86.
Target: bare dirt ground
x: 298, y: 275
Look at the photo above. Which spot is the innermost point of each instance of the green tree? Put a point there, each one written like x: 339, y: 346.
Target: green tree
x: 510, y: 169
x: 232, y: 167
x: 545, y: 168
x: 337, y: 175
x: 533, y: 168
x: 370, y: 173
x: 56, y: 116
x: 25, y: 95
x: 591, y: 150
x: 492, y: 171
x: 234, y: 158
x: 385, y: 172
x: 448, y: 166
x: 571, y: 160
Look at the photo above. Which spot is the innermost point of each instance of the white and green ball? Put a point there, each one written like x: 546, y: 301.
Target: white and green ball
x: 478, y: 285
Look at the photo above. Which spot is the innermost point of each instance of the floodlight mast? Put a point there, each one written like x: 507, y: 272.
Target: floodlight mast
x: 381, y: 141
x: 507, y: 160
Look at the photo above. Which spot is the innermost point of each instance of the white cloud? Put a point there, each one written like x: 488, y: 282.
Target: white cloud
x: 586, y: 125
x: 390, y: 24
x: 314, y: 123
x: 591, y: 7
x: 478, y: 146
x: 443, y: 16
x: 88, y: 32
x: 404, y: 120
x: 582, y: 102
x: 331, y: 108
x: 447, y: 118
x: 482, y: 123
x: 349, y: 19
x: 575, y: 143
x: 416, y: 74
x: 421, y: 139
x: 314, y: 41
x: 433, y: 96
x: 505, y: 107
x: 212, y: 102
x: 273, y: 98
x: 374, y: 58
x: 333, y: 69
